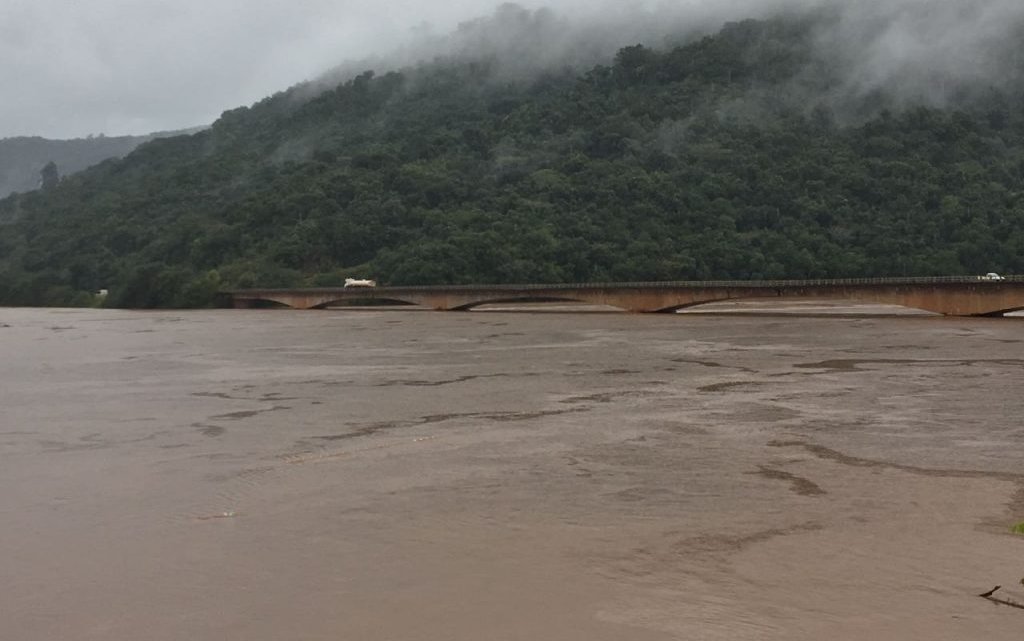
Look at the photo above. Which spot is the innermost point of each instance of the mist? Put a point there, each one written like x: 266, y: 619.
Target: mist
x: 122, y: 67
x: 925, y: 50
x: 897, y: 52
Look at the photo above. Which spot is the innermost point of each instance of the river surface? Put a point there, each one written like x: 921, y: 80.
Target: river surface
x: 404, y: 475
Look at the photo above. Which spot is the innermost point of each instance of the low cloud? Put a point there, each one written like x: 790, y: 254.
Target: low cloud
x: 135, y: 66
x: 927, y: 50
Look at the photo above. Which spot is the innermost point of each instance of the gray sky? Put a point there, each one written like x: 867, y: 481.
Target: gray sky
x: 74, y: 67
x: 70, y: 68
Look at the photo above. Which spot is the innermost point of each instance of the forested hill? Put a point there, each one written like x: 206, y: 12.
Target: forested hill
x: 734, y: 156
x: 23, y: 158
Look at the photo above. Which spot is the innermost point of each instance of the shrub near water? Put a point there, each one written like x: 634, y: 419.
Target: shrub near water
x: 1018, y: 529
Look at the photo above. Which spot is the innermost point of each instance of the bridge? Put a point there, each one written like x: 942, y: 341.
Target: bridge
x: 950, y: 296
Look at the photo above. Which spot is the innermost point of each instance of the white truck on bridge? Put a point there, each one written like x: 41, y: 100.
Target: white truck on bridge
x: 360, y: 282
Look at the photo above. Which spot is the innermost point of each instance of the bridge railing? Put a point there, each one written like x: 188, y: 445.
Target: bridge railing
x: 768, y: 284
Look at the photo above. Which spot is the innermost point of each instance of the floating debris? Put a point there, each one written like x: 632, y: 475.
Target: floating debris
x: 230, y: 514
x: 994, y: 599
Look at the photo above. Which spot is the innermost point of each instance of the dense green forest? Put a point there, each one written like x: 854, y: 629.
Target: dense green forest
x: 727, y: 157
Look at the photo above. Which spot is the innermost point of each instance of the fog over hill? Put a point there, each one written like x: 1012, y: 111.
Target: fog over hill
x: 915, y: 51
x: 125, y: 68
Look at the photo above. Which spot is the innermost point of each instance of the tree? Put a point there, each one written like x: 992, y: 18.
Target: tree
x: 49, y: 176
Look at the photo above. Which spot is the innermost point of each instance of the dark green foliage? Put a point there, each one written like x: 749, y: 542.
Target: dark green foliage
x: 718, y: 159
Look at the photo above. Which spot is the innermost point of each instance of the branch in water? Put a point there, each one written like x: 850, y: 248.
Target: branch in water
x: 1009, y: 602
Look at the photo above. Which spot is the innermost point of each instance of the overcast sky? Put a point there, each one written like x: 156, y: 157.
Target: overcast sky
x: 69, y: 68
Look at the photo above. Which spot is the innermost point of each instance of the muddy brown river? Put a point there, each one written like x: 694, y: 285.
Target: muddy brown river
x: 402, y: 475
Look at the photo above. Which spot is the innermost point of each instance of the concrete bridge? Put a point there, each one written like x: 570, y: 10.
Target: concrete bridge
x: 951, y: 296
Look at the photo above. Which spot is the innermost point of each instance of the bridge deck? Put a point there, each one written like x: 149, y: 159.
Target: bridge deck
x: 698, y: 284
x: 949, y: 295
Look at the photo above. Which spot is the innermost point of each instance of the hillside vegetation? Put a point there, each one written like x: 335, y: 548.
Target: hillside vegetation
x: 729, y: 157
x: 23, y: 158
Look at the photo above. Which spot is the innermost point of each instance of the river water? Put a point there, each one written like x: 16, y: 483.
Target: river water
x: 393, y: 475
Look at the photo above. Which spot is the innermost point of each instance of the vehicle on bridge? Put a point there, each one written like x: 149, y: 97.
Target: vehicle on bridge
x: 360, y: 282
x: 991, y: 276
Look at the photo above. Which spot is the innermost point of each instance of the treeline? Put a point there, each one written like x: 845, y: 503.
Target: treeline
x: 726, y: 158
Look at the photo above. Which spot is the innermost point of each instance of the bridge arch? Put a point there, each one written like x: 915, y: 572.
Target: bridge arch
x: 521, y: 299
x: 863, y: 300
x: 1003, y: 312
x: 269, y: 302
x: 671, y: 309
x: 360, y: 302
